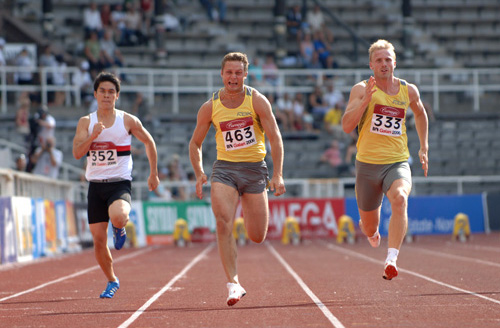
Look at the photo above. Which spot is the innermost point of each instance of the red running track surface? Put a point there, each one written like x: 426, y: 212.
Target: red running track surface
x: 319, y: 283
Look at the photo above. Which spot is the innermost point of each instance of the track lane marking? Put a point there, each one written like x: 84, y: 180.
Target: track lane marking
x: 455, y: 257
x: 76, y: 274
x: 188, y: 267
x: 335, y: 322
x: 369, y: 259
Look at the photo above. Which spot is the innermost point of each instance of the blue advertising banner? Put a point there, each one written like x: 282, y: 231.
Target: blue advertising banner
x: 8, y: 241
x: 430, y: 214
x: 38, y: 226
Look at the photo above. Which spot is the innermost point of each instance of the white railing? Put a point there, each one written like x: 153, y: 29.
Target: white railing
x: 472, y: 84
x: 14, y: 183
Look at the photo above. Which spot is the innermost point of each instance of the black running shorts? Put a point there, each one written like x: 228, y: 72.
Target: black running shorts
x: 102, y: 195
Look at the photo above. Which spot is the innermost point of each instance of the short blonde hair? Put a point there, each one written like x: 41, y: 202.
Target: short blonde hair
x: 236, y: 56
x: 381, y: 44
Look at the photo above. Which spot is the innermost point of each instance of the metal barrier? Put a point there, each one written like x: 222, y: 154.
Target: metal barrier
x: 469, y: 85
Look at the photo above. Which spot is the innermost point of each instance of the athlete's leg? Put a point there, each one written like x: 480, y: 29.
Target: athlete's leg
x: 398, y: 197
x: 256, y: 211
x: 102, y: 254
x: 224, y: 203
x: 119, y: 212
x: 369, y: 221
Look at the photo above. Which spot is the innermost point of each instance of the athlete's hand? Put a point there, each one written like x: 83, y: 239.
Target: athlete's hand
x: 97, y: 129
x: 424, y: 160
x: 277, y: 185
x: 200, y: 181
x: 153, y: 182
x: 369, y: 90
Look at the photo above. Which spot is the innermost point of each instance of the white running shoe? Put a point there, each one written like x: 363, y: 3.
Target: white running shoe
x: 374, y: 240
x: 390, y: 270
x: 236, y: 292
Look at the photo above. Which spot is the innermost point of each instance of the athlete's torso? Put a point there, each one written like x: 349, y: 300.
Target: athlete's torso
x: 238, y: 132
x: 382, y: 128
x: 109, y: 154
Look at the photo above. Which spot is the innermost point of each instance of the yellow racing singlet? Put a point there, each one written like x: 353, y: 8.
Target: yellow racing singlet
x: 238, y: 132
x: 382, y: 128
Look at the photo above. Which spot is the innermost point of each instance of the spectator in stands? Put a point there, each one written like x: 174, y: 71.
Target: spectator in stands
x: 316, y: 23
x: 303, y: 120
x: 317, y: 104
x: 118, y: 24
x: 295, y: 22
x: 110, y: 50
x: 47, y: 159
x: 83, y: 80
x: 350, y: 153
x: 3, y: 61
x: 171, y: 23
x: 215, y: 9
x: 147, y: 10
x: 133, y: 26
x: 92, y: 20
x: 382, y: 159
x: 240, y: 173
x: 47, y: 124
x: 255, y: 76
x: 285, y: 111
x: 332, y: 155
x: 323, y: 51
x: 142, y: 110
x: 191, y: 189
x: 106, y: 16
x: 308, y: 53
x: 110, y: 178
x: 95, y: 55
x: 332, y: 121
x: 333, y: 96
x: 270, y: 70
x: 23, y: 116
x: 25, y: 62
x: 48, y: 59
x: 21, y: 163
x: 60, y: 79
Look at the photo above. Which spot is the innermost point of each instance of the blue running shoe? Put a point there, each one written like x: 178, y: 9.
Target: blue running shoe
x: 111, y: 289
x: 119, y: 237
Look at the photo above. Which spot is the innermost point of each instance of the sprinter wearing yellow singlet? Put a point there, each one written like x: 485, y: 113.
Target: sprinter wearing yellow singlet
x: 378, y: 108
x: 240, y: 116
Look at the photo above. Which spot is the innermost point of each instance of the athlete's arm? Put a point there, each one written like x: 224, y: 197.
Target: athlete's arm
x: 134, y: 125
x: 263, y: 109
x: 421, y: 124
x: 360, y: 97
x: 204, y: 119
x: 82, y: 139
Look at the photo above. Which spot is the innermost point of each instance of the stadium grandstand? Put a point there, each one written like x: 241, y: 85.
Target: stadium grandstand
x: 447, y: 47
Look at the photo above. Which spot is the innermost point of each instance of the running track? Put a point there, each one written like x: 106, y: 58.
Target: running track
x: 317, y: 284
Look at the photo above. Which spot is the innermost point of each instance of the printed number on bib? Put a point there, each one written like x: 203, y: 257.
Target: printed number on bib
x: 238, y: 133
x: 103, y: 154
x: 387, y: 120
x: 103, y: 157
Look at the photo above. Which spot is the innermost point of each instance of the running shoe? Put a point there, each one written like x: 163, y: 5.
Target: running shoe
x: 236, y: 292
x: 390, y: 270
x: 374, y: 240
x: 111, y: 289
x: 119, y: 237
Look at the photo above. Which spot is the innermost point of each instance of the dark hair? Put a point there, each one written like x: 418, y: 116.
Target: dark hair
x: 236, y: 56
x: 107, y: 77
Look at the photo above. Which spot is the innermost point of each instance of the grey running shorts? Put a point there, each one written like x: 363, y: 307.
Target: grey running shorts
x: 102, y: 195
x: 245, y: 177
x: 374, y: 180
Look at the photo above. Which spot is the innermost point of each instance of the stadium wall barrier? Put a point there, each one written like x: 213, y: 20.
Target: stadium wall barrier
x: 429, y: 215
x: 493, y: 211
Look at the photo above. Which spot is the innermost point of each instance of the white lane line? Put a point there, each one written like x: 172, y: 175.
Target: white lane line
x: 335, y: 322
x: 455, y: 257
x: 369, y: 259
x: 188, y: 267
x: 76, y: 274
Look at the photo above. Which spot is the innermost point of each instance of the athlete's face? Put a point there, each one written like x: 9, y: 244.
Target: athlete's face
x: 383, y: 63
x: 106, y: 95
x: 233, y: 75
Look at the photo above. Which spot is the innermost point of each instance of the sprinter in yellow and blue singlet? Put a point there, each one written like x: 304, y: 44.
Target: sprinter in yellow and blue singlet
x: 240, y: 116
x: 378, y: 108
